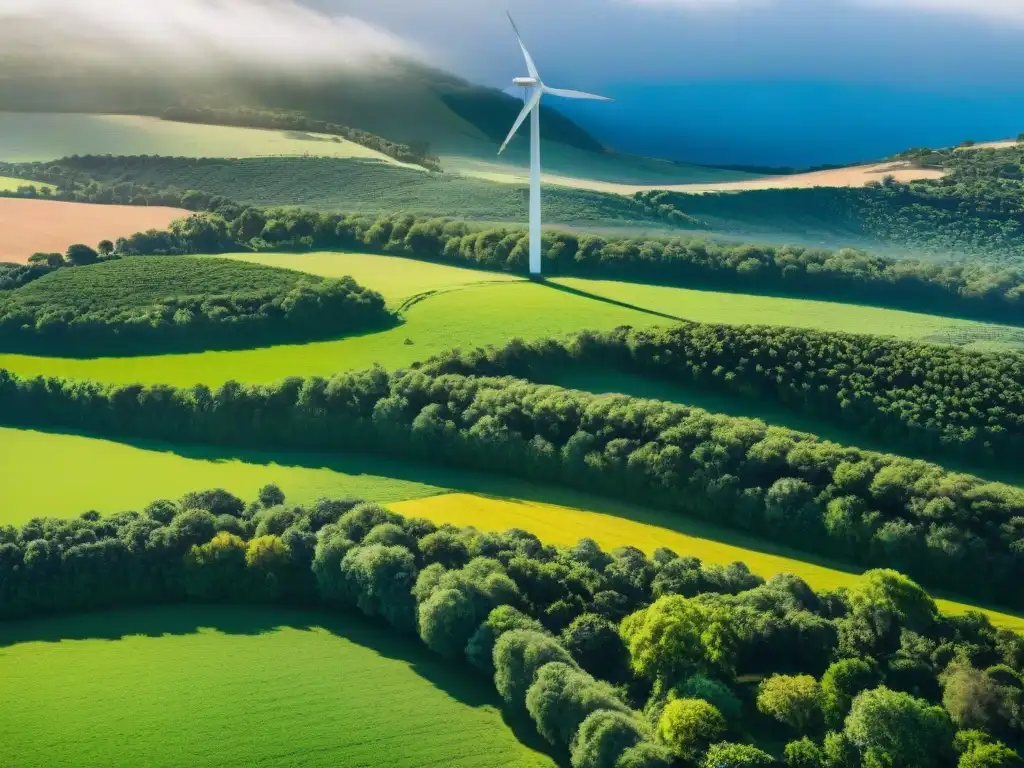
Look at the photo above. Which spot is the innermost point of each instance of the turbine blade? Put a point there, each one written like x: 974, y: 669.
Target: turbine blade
x: 531, y: 68
x: 574, y: 94
x: 533, y: 102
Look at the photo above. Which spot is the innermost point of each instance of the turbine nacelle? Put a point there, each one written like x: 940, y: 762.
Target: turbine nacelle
x: 526, y: 82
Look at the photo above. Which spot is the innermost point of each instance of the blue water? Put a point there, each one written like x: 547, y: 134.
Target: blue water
x: 792, y: 123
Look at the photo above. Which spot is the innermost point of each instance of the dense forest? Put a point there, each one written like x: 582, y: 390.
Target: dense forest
x: 957, y: 288
x: 618, y: 659
x: 975, y: 211
x: 952, y: 532
x: 87, y: 304
x: 289, y: 121
x: 931, y: 399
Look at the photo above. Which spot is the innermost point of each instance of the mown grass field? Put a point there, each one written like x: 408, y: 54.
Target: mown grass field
x: 7, y: 184
x: 399, y: 279
x: 110, y: 477
x: 255, y: 686
x: 482, y: 313
x: 618, y: 525
x: 35, y: 137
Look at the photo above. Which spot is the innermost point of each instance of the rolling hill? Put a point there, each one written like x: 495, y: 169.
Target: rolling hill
x: 405, y: 101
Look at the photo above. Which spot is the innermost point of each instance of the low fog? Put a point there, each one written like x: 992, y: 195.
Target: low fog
x: 182, y: 37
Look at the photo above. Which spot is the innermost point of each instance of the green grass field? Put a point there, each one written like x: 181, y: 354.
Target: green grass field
x: 34, y: 137
x: 399, y: 279
x: 480, y: 314
x: 111, y: 477
x: 7, y: 184
x: 223, y: 686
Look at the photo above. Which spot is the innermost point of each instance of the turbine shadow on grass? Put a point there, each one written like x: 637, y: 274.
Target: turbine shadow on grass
x: 606, y: 300
x: 459, y: 682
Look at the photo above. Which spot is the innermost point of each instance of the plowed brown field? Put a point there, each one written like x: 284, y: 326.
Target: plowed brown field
x: 29, y: 226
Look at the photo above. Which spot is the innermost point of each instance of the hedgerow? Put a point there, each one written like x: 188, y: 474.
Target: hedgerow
x: 951, y: 531
x: 212, y: 547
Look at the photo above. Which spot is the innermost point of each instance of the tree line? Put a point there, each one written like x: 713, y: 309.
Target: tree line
x: 247, y: 117
x: 951, y: 531
x: 932, y: 399
x: 618, y: 659
x: 968, y: 288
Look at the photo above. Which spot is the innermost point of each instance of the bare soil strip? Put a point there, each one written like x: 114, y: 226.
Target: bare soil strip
x: 31, y: 226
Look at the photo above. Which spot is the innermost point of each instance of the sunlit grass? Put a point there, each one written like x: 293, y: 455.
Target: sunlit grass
x: 183, y: 687
x: 479, y: 313
x: 7, y: 184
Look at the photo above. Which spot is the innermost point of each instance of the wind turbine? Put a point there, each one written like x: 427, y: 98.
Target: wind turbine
x: 535, y: 88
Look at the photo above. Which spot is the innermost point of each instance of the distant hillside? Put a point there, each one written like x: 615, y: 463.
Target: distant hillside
x: 975, y: 210
x: 404, y: 102
x: 330, y: 184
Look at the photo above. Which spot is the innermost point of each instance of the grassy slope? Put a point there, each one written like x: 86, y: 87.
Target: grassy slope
x: 7, y: 184
x: 617, y: 525
x: 41, y: 137
x: 109, y: 476
x: 348, y: 185
x: 399, y: 279
x: 491, y: 314
x: 214, y: 686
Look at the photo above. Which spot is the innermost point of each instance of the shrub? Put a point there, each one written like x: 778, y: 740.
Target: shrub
x: 602, y: 738
x: 504, y: 618
x: 688, y: 726
x: 518, y: 656
x: 736, y: 756
x: 793, y: 700
x: 562, y: 697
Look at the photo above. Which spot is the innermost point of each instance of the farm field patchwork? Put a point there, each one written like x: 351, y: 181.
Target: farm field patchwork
x: 256, y: 686
x: 35, y: 137
x: 618, y: 525
x: 29, y: 226
x: 492, y: 313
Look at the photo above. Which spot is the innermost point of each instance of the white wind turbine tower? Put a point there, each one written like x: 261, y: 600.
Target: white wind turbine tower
x: 535, y: 88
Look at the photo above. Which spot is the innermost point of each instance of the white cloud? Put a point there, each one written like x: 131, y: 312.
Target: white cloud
x: 999, y: 10
x: 996, y: 10
x: 192, y: 35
